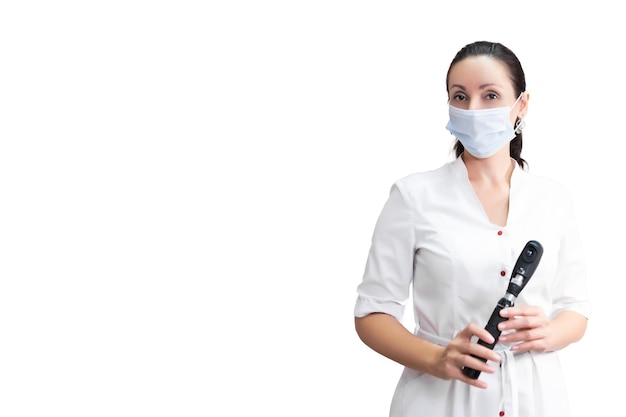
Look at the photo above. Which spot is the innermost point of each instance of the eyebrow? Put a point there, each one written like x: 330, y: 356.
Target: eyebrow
x: 482, y: 86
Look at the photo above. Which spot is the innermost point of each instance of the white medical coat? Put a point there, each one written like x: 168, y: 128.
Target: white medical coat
x: 433, y: 236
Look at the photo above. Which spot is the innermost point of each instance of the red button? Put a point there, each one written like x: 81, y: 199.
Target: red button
x: 499, y: 232
x: 501, y: 413
x: 503, y: 273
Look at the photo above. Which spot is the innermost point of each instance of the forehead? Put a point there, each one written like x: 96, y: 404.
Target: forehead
x: 479, y: 70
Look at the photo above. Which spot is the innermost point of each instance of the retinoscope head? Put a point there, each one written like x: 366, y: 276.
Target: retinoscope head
x: 525, y: 267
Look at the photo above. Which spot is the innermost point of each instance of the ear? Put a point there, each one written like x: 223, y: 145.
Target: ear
x: 523, y: 108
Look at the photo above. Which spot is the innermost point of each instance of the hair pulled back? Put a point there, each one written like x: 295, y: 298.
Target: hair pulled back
x: 516, y: 73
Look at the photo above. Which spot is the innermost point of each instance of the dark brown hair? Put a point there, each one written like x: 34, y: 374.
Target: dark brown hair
x: 516, y: 73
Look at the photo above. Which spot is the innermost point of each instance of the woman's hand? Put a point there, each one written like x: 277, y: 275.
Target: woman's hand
x: 530, y: 329
x: 458, y: 354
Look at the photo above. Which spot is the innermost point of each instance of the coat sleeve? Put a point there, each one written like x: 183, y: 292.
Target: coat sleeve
x: 385, y: 287
x: 569, y: 291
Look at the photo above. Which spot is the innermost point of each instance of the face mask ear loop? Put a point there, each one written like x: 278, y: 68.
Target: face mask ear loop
x: 519, y: 124
x: 516, y: 101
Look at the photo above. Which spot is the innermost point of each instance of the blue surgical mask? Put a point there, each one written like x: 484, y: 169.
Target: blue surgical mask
x: 482, y: 132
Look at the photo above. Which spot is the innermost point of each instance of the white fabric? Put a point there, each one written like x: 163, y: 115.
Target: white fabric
x: 434, y: 236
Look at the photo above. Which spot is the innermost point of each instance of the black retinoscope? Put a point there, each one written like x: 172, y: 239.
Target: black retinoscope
x: 524, y: 268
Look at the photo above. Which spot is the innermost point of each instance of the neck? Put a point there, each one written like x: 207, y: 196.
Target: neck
x: 495, y: 169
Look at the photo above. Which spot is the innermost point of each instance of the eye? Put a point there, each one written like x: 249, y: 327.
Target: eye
x: 491, y: 96
x: 459, y: 97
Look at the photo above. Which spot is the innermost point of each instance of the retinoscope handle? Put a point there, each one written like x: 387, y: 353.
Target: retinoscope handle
x: 524, y: 268
x: 492, y: 328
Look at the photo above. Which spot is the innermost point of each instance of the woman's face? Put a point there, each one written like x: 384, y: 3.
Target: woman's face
x: 482, y: 82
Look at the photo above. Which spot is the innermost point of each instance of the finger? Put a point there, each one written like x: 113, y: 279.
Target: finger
x: 530, y: 334
x: 536, y: 334
x: 479, y: 365
x: 485, y: 336
x: 538, y: 345
x: 480, y: 332
x: 475, y: 364
x: 521, y: 311
x: 474, y: 329
x: 521, y: 322
x: 513, y: 337
x: 478, y: 383
x: 521, y: 347
x: 480, y: 351
x: 531, y: 345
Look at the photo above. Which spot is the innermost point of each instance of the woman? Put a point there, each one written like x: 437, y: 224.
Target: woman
x: 452, y: 236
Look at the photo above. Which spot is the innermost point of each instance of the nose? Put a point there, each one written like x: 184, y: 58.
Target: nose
x: 473, y: 104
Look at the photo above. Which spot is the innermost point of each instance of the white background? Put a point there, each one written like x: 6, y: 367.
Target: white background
x: 188, y: 190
